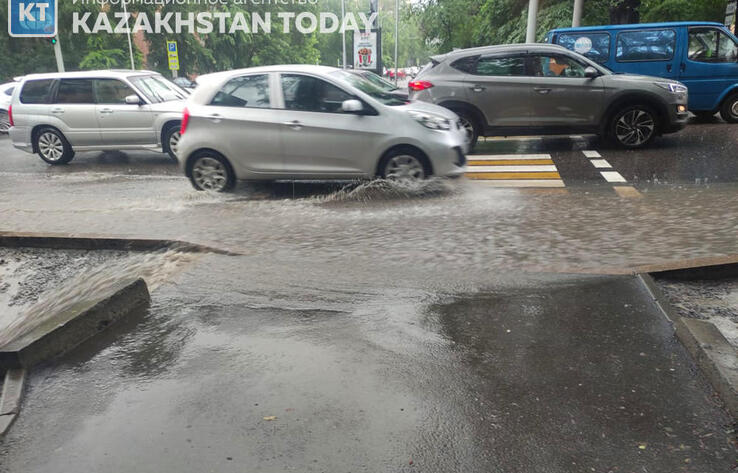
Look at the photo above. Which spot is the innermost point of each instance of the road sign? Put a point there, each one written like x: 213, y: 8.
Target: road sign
x: 730, y: 14
x: 173, y: 55
x: 32, y: 19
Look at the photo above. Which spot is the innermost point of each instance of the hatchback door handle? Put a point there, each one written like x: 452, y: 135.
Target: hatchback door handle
x: 542, y: 90
x: 294, y: 124
x: 478, y: 88
x: 57, y: 110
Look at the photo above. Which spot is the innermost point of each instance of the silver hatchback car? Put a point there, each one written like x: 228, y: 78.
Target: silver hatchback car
x: 539, y: 89
x: 57, y: 114
x: 311, y: 122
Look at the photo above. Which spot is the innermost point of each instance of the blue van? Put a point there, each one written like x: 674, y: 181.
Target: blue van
x: 702, y: 55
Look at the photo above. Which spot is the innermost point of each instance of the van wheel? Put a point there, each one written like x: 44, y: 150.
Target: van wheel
x: 170, y: 140
x: 470, y: 124
x: 729, y: 109
x: 210, y: 171
x: 53, y: 147
x: 634, y: 126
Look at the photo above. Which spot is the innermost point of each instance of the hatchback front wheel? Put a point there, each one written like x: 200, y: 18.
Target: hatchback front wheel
x: 403, y: 165
x: 209, y: 171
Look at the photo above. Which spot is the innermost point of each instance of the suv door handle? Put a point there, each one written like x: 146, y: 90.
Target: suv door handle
x: 57, y: 111
x: 294, y: 124
x: 215, y: 117
x: 106, y: 110
x: 542, y: 90
x: 477, y: 88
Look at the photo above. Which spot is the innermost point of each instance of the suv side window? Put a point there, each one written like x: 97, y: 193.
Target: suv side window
x: 555, y: 65
x: 310, y: 94
x: 78, y: 91
x: 246, y: 91
x: 112, y: 91
x: 501, y: 66
x: 9, y: 91
x: 466, y: 64
x: 647, y: 45
x: 711, y: 45
x: 36, y: 91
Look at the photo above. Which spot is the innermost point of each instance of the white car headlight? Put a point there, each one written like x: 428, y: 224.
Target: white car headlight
x: 672, y: 87
x: 428, y: 120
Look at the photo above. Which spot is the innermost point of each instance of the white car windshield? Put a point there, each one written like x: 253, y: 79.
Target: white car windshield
x: 367, y: 87
x: 158, y: 89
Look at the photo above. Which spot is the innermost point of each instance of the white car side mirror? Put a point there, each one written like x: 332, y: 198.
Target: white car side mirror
x: 133, y: 100
x: 352, y: 106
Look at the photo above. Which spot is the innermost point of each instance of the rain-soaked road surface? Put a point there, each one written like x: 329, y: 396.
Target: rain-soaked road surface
x: 387, y: 328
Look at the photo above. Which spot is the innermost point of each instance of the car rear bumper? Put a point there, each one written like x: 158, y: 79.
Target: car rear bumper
x: 21, y: 138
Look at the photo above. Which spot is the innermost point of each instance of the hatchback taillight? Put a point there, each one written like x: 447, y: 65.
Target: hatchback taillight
x: 185, y: 121
x: 418, y: 85
x: 10, y: 115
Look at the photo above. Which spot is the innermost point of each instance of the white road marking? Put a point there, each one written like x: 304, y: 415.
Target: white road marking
x: 524, y: 183
x: 502, y: 157
x: 591, y: 154
x: 534, y: 168
x: 576, y: 137
x: 613, y: 176
x: 600, y: 163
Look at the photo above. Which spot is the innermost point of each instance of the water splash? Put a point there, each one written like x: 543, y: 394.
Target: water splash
x: 154, y: 268
x: 384, y: 189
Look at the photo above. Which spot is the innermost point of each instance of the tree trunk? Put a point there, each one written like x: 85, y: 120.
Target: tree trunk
x: 624, y: 11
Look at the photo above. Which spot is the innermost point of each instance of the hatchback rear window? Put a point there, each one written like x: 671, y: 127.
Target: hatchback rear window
x: 36, y: 91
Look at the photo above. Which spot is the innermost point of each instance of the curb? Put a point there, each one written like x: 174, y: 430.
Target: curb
x: 711, y: 352
x: 714, y: 355
x: 10, y: 399
x: 63, y: 241
x: 73, y: 325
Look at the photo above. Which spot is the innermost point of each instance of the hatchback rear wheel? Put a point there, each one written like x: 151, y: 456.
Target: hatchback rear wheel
x: 634, y: 126
x: 209, y: 171
x: 53, y: 147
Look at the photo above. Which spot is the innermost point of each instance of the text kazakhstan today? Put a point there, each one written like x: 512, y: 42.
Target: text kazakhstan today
x: 226, y: 22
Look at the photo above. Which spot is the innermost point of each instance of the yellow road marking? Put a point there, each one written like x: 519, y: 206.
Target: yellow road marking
x: 509, y: 162
x: 513, y: 175
x: 628, y: 192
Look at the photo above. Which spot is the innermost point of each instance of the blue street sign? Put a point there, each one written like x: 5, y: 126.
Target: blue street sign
x: 32, y: 18
x: 172, y: 46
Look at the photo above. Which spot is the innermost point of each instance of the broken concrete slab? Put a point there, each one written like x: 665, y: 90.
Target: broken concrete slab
x: 62, y: 331
x: 10, y: 399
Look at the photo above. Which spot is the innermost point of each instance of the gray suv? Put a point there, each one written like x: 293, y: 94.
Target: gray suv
x: 538, y: 89
x: 57, y: 114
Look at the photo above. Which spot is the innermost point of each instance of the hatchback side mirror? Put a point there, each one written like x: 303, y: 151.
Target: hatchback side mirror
x: 352, y: 106
x: 590, y: 72
x: 133, y: 99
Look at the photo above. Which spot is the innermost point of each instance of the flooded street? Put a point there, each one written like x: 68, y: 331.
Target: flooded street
x: 457, y: 325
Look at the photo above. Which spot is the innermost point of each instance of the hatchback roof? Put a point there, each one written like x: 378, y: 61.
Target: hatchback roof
x: 637, y: 26
x: 309, y: 68
x: 117, y: 73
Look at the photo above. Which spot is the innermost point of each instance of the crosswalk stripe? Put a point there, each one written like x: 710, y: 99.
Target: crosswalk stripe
x: 547, y: 183
x: 600, y: 163
x: 506, y: 162
x: 613, y: 176
x: 591, y: 154
x: 499, y: 157
x: 476, y: 169
x: 513, y: 175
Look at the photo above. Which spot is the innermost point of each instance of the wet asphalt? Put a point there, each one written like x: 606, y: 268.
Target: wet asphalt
x: 377, y: 328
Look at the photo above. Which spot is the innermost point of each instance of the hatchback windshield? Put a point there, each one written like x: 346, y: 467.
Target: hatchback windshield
x: 158, y: 89
x: 367, y: 87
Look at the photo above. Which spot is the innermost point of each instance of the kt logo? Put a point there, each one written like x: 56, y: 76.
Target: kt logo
x: 32, y: 19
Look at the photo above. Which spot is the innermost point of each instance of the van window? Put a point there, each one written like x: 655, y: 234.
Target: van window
x: 501, y: 66
x: 711, y: 45
x: 75, y: 91
x: 247, y: 91
x: 595, y: 46
x: 646, y: 45
x: 36, y: 91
